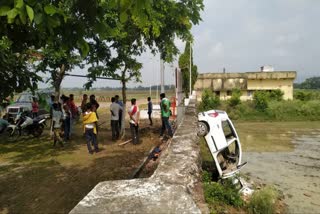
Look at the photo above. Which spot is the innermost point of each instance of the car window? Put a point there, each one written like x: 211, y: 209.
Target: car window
x: 227, y: 130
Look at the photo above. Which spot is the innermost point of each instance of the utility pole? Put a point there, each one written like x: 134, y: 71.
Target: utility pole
x: 162, y: 75
x: 190, y: 69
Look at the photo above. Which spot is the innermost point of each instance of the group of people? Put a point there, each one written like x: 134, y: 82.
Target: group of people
x: 64, y: 113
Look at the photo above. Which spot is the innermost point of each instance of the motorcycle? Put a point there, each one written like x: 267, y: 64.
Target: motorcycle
x: 27, y: 126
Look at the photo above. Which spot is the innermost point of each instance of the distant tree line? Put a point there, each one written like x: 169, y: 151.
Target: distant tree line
x: 139, y: 88
x: 310, y: 83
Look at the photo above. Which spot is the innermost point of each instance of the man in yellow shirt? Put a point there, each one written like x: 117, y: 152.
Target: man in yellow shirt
x: 90, y: 121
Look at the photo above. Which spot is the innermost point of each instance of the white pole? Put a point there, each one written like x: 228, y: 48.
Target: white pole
x: 150, y: 90
x: 162, y: 75
x: 190, y: 72
x: 157, y: 92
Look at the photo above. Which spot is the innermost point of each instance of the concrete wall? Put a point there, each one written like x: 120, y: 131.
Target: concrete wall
x: 285, y: 85
x: 247, y: 82
x: 173, y: 188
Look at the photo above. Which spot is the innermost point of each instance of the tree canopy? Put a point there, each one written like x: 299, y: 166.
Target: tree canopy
x: 310, y: 83
x: 61, y: 34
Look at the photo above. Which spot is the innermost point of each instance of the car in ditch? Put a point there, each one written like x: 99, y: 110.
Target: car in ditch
x: 222, y: 140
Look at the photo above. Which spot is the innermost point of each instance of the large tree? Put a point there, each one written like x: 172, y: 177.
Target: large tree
x: 160, y: 24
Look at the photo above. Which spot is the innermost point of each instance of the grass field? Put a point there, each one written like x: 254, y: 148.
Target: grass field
x: 36, y: 177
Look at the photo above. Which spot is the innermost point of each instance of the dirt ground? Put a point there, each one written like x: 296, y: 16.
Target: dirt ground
x: 36, y: 177
x: 294, y: 169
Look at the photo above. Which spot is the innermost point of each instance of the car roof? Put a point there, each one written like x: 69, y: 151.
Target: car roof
x: 221, y: 114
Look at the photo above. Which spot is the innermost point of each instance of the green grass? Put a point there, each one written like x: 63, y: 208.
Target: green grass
x: 263, y: 201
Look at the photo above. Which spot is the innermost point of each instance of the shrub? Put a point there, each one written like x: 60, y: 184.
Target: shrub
x: 206, y: 176
x: 235, y: 98
x: 260, y: 99
x: 209, y: 100
x: 302, y: 95
x: 276, y: 95
x: 263, y: 201
x: 216, y: 193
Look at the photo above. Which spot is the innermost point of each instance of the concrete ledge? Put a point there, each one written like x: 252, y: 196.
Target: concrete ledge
x: 171, y: 189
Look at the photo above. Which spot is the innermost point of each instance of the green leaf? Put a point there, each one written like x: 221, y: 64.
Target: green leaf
x: 30, y: 13
x: 12, y: 14
x: 84, y: 47
x: 123, y: 17
x: 38, y: 18
x: 18, y: 3
x: 50, y: 9
x: 23, y: 17
x: 4, y: 10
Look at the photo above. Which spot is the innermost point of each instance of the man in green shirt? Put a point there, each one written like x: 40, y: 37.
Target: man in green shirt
x: 165, y: 114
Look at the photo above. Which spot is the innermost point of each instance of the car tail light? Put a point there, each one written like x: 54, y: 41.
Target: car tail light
x: 214, y: 114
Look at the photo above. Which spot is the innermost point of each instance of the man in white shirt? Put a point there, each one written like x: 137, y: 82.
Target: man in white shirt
x: 115, y: 109
x: 134, y: 115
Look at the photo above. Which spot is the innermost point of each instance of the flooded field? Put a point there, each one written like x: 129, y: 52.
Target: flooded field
x: 287, y: 155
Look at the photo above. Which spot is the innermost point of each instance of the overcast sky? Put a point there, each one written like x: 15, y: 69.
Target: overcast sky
x: 242, y: 35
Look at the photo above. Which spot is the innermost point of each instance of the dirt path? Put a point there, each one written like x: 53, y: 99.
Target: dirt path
x: 296, y: 173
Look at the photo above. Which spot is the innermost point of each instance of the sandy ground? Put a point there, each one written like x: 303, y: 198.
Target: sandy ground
x: 296, y: 173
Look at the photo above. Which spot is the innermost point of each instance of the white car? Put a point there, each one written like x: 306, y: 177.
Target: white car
x: 222, y: 140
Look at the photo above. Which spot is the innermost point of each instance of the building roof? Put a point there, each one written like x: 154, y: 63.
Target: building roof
x: 250, y: 75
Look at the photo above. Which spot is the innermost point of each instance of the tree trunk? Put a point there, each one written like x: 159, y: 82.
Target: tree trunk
x: 57, y: 82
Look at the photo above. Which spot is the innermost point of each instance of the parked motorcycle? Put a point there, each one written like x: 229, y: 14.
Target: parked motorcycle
x: 25, y: 125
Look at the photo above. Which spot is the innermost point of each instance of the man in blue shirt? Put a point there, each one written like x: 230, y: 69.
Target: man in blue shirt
x: 120, y: 111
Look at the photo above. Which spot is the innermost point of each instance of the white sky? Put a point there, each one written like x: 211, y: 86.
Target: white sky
x: 242, y: 35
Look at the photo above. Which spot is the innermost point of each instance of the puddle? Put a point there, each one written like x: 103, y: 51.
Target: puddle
x: 285, y: 154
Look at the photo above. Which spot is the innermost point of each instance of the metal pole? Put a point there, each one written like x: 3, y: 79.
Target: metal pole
x: 150, y: 90
x: 162, y: 75
x: 190, y: 72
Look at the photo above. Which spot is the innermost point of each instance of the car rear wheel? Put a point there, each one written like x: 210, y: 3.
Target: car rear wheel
x: 202, y: 129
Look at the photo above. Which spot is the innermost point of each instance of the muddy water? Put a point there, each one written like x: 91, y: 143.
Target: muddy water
x: 287, y: 155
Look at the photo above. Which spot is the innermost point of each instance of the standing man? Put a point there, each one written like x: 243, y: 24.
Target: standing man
x: 165, y: 114
x: 84, y: 103
x: 115, y: 109
x: 134, y: 115
x: 94, y: 104
x: 35, y: 107
x: 56, y: 124
x: 150, y: 110
x: 66, y: 117
x: 90, y: 121
x: 73, y: 110
x: 120, y: 111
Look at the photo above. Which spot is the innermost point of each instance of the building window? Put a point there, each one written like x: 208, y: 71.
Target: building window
x: 229, y: 93
x: 217, y: 93
x: 249, y: 93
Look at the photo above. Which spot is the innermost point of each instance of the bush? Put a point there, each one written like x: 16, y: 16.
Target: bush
x: 206, y: 176
x: 302, y: 95
x: 294, y: 110
x: 209, y: 101
x: 276, y: 95
x: 263, y: 201
x: 235, y: 98
x: 260, y: 99
x: 216, y: 193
